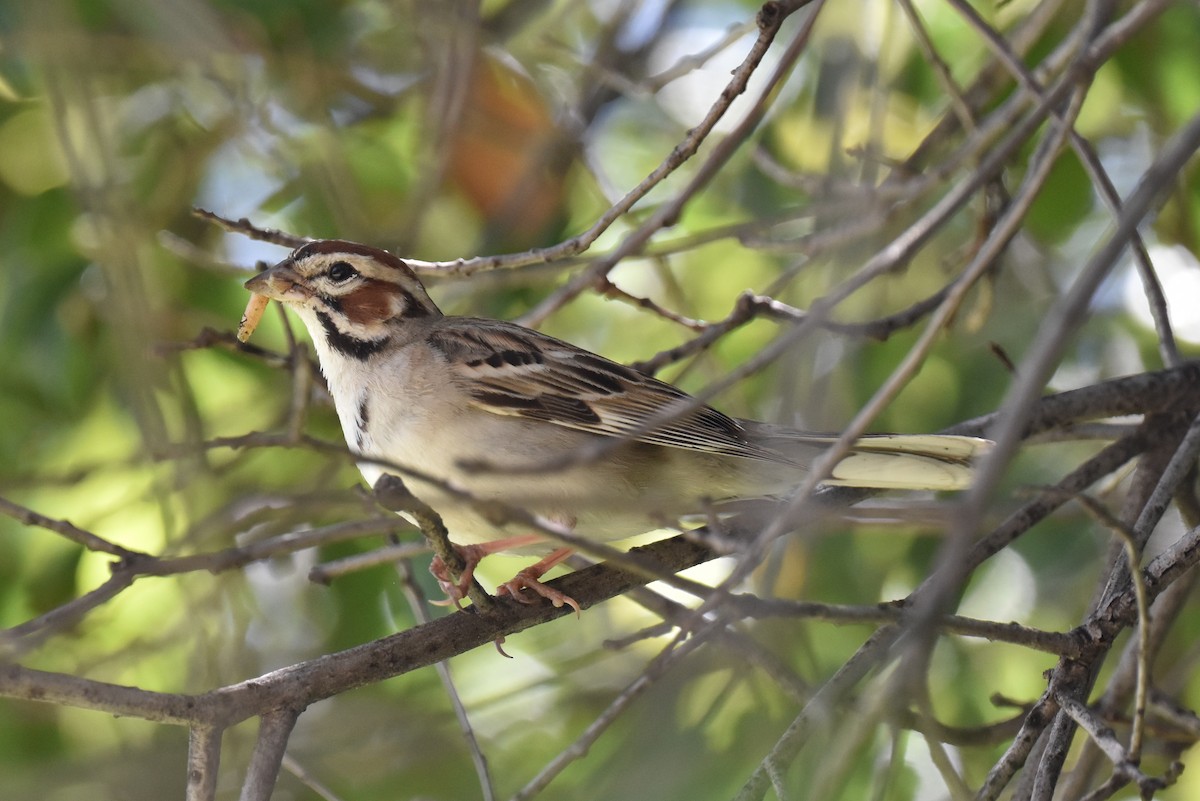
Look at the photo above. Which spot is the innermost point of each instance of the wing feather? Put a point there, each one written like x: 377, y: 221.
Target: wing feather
x: 510, y: 370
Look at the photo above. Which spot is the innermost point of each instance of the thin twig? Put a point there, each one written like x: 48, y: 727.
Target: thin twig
x: 1133, y: 553
x: 392, y: 494
x: 671, y: 654
x: 89, y: 540
x: 1059, y: 644
x: 247, y: 228
x: 771, y: 17
x: 293, y: 766
x: 326, y: 572
x: 417, y: 603
x: 1155, y: 298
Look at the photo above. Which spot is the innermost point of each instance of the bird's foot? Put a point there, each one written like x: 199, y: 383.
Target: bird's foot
x: 456, y: 590
x: 472, y: 555
x: 528, y: 579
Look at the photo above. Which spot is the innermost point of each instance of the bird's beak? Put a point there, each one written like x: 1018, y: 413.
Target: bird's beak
x: 281, y: 282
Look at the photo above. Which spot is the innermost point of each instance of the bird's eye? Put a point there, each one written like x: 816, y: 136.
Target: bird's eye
x: 340, y: 272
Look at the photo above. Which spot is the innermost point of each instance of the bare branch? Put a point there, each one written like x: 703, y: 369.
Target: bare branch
x: 67, y: 529
x: 274, y: 729
x: 204, y: 757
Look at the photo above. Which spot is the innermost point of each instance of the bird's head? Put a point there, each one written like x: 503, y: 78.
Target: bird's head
x: 354, y: 296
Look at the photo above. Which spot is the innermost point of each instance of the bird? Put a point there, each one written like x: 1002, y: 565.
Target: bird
x: 492, y: 411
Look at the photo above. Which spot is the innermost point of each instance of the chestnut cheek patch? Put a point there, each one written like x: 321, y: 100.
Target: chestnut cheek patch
x: 374, y: 303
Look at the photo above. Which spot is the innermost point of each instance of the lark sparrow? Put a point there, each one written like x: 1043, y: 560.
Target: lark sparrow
x: 416, y: 388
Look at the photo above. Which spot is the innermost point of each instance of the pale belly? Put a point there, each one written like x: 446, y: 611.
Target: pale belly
x: 620, y: 496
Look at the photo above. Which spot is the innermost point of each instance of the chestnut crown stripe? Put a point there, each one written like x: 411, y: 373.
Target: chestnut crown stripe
x: 326, y: 246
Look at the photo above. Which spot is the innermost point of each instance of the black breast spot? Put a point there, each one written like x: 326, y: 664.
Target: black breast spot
x: 363, y: 416
x: 347, y: 345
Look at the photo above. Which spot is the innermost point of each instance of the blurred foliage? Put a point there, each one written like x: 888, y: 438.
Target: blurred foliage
x: 424, y: 128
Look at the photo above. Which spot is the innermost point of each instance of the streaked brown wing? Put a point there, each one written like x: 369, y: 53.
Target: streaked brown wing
x: 510, y: 370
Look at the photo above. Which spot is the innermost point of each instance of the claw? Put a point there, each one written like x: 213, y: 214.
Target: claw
x: 471, y: 555
x: 456, y: 591
x: 525, y: 581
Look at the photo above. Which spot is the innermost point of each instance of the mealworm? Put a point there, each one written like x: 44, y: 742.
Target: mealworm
x: 250, y: 317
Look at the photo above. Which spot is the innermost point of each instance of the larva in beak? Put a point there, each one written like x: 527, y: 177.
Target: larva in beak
x: 250, y: 317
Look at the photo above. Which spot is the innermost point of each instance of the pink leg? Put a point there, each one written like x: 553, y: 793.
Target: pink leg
x: 472, y: 555
x: 527, y: 579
